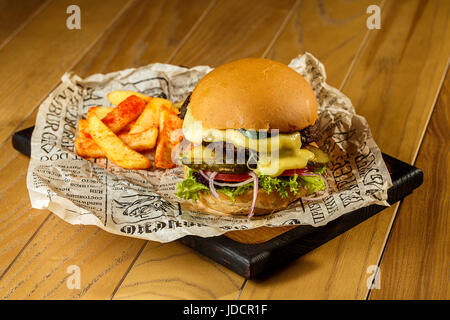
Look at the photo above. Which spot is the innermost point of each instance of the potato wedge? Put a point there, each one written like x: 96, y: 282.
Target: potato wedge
x: 83, y: 130
x: 114, y: 148
x: 87, y: 148
x: 168, y: 139
x: 126, y: 112
x: 116, y: 97
x: 148, y: 119
x: 101, y: 112
x: 140, y: 141
x: 158, y: 103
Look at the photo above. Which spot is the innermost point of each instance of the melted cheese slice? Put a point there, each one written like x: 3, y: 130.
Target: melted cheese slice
x: 276, y: 154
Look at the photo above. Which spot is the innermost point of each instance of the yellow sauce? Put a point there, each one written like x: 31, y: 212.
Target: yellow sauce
x: 276, y: 154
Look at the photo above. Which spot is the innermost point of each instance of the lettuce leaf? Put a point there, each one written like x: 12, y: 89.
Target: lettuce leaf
x: 293, y: 184
x: 234, y: 192
x: 313, y: 183
x: 189, y: 188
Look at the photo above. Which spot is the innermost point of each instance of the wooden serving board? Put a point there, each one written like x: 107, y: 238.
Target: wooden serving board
x: 255, y: 253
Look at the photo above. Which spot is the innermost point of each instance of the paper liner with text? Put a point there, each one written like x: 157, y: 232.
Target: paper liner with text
x: 142, y: 203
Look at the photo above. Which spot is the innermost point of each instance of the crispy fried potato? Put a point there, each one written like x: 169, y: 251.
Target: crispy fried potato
x: 87, y: 148
x: 168, y: 139
x: 140, y: 141
x: 126, y: 112
x: 114, y: 148
x: 158, y: 103
x: 101, y: 112
x: 83, y: 130
x: 116, y: 97
x: 128, y: 126
x: 148, y: 119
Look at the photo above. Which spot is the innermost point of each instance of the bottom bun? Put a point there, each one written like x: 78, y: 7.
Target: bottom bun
x: 265, y: 203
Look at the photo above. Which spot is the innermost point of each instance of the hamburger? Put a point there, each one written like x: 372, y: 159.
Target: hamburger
x: 249, y: 148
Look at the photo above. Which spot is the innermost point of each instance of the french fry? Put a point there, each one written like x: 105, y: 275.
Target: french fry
x: 114, y: 148
x: 158, y: 103
x: 148, y: 119
x: 83, y: 130
x: 116, y: 97
x: 168, y: 139
x: 87, y: 148
x: 140, y: 141
x: 126, y: 112
x: 101, y: 112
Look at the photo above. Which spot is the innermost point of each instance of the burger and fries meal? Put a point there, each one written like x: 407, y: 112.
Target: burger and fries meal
x: 245, y: 137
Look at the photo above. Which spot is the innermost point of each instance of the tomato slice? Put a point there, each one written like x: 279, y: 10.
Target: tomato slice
x: 291, y: 172
x: 232, y: 177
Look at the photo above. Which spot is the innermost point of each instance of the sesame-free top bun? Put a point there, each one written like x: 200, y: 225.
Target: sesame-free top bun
x: 256, y: 94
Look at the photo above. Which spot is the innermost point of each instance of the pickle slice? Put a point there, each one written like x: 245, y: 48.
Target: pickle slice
x: 320, y: 157
x: 221, y: 168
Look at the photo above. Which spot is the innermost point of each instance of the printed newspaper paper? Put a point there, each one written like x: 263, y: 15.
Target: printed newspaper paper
x: 142, y: 203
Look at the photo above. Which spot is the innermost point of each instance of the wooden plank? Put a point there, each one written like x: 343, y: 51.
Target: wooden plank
x: 173, y: 271
x: 40, y: 270
x: 234, y: 30
x: 19, y: 222
x: 416, y: 259
x: 394, y: 86
x: 330, y: 30
x: 14, y: 15
x: 150, y: 31
x: 18, y: 66
x: 35, y: 59
x: 218, y: 33
x: 397, y: 99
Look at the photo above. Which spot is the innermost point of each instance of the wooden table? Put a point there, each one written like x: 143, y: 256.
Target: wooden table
x: 396, y: 77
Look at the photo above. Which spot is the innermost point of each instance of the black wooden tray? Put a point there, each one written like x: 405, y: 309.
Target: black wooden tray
x: 254, y: 260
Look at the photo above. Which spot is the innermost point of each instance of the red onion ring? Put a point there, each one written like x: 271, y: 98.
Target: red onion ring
x: 255, y: 193
x: 205, y: 175
x: 211, y: 185
x: 234, y: 184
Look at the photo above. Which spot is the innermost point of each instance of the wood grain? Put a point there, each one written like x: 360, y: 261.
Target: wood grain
x: 257, y: 235
x: 395, y: 83
x: 233, y: 30
x: 14, y: 15
x: 331, y: 30
x: 43, y: 51
x: 40, y: 271
x: 149, y: 31
x: 173, y: 271
x: 415, y: 264
x: 384, y: 82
